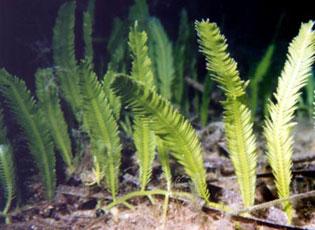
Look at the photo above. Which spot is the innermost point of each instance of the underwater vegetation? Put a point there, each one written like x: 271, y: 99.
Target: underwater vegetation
x: 279, y: 121
x: 237, y: 116
x: 7, y: 180
x: 143, y: 94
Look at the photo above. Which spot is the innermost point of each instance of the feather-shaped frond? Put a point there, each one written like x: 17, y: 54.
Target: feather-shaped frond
x: 102, y: 128
x: 49, y: 102
x: 22, y: 104
x: 279, y: 123
x: 163, y: 154
x: 181, y: 55
x: 144, y: 140
x: 223, y: 67
x: 64, y: 57
x: 113, y: 100
x: 3, y: 130
x: 88, y: 22
x: 63, y: 36
x: 117, y: 45
x: 261, y: 71
x: 7, y: 178
x: 7, y: 181
x: 241, y: 144
x: 237, y: 117
x: 141, y: 63
x: 314, y: 109
x: 139, y: 11
x: 168, y: 124
x: 162, y: 57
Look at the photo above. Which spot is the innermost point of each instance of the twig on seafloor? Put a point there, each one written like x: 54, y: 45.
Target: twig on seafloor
x: 246, y: 219
x: 278, y: 201
x: 81, y: 192
x: 304, y: 157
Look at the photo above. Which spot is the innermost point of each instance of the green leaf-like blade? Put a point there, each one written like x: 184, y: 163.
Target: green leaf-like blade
x: 139, y: 11
x: 261, y: 71
x: 181, y: 56
x: 117, y: 45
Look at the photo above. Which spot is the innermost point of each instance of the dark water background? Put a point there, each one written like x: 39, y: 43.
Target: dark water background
x: 26, y: 26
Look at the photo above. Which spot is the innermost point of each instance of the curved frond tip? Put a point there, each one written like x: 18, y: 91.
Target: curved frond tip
x: 219, y: 63
x: 141, y: 63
